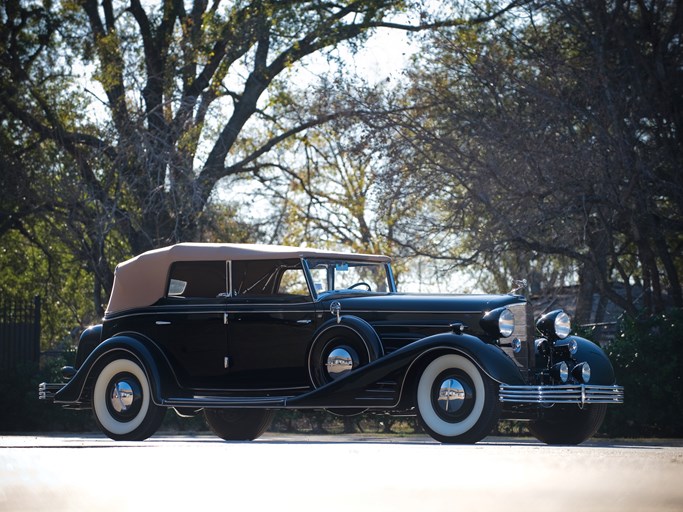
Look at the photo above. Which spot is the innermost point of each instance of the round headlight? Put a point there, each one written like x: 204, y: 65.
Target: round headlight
x: 506, y: 323
x: 563, y: 325
x: 560, y: 372
x: 582, y: 372
x: 555, y: 324
x: 499, y: 322
x: 585, y: 372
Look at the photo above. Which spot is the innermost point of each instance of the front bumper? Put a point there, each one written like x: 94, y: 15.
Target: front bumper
x: 564, y: 394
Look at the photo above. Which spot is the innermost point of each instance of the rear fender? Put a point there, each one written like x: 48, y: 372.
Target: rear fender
x: 132, y: 345
x: 88, y: 342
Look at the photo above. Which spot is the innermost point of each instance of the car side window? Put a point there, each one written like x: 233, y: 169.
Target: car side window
x: 197, y: 279
x: 293, y: 282
x: 277, y: 279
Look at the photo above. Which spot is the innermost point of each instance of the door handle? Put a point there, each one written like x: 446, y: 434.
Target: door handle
x: 163, y: 322
x: 305, y: 321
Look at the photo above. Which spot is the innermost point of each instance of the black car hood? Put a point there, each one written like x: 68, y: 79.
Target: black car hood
x: 405, y: 302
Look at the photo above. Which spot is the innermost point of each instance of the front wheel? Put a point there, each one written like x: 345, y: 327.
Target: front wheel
x: 122, y: 402
x: 456, y: 402
x: 238, y: 424
x: 567, y: 424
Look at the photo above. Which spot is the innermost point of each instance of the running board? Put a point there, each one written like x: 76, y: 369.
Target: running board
x: 227, y: 402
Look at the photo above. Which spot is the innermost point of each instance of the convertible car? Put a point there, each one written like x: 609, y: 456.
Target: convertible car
x: 237, y: 332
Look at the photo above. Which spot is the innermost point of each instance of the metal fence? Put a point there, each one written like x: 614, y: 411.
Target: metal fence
x: 19, y: 333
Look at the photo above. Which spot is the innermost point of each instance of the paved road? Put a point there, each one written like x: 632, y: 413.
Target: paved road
x: 349, y: 473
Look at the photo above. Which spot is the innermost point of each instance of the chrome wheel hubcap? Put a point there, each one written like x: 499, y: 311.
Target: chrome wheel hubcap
x: 451, y: 395
x: 339, y: 362
x: 122, y: 396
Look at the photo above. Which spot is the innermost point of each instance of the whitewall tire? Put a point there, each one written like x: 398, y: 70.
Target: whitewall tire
x: 456, y: 401
x: 122, y: 402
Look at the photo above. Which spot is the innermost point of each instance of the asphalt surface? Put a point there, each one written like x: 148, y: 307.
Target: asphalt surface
x: 330, y: 473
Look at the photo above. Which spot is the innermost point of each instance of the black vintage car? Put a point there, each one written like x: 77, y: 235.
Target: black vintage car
x: 240, y: 331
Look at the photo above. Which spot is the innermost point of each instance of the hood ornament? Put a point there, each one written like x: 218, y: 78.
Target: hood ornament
x: 519, y: 284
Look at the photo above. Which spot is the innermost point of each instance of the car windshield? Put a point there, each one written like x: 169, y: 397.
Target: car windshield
x: 346, y: 276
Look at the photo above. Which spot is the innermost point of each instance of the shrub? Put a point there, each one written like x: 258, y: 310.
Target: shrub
x: 647, y: 355
x: 23, y: 412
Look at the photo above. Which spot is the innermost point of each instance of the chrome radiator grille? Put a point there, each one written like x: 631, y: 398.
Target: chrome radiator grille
x: 524, y: 331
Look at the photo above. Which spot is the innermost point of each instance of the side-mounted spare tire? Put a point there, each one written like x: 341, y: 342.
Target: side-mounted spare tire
x: 341, y: 346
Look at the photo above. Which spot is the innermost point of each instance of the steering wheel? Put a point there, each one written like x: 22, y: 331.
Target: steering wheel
x: 360, y: 283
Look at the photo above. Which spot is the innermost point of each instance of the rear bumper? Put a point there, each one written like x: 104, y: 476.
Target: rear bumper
x: 47, y: 391
x: 564, y: 394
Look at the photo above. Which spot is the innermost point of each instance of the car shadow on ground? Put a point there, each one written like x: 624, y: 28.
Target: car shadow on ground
x: 94, y: 440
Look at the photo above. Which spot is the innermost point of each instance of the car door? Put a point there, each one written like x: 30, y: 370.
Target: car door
x: 271, y: 320
x: 191, y: 323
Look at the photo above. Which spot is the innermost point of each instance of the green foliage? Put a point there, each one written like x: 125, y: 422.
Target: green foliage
x: 539, y: 133
x: 23, y: 412
x: 63, y: 285
x: 648, y: 360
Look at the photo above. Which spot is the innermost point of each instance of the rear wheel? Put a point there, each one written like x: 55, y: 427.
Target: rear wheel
x: 238, y: 424
x: 456, y: 402
x: 122, y: 402
x: 567, y: 424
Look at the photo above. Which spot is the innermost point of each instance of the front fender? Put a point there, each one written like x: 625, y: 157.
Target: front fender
x: 602, y: 371
x: 346, y: 390
x: 490, y: 358
x: 133, y: 345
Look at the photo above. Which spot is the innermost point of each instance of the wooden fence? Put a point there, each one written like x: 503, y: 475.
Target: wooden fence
x: 19, y: 333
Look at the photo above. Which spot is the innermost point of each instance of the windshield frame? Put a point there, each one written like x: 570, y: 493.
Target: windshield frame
x: 318, y: 296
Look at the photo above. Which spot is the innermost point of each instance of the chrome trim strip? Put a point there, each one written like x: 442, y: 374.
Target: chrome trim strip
x: 377, y: 399
x: 228, y: 264
x: 195, y: 310
x: 422, y: 312
x: 258, y: 311
x: 217, y: 402
x: 379, y: 325
x: 247, y: 390
x: 170, y: 312
x: 564, y: 394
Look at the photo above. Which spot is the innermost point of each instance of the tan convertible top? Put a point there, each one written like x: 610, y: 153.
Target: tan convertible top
x: 141, y: 281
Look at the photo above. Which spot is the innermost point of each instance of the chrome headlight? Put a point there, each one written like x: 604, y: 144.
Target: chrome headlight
x: 555, y: 324
x: 582, y: 372
x: 560, y: 372
x: 499, y: 322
